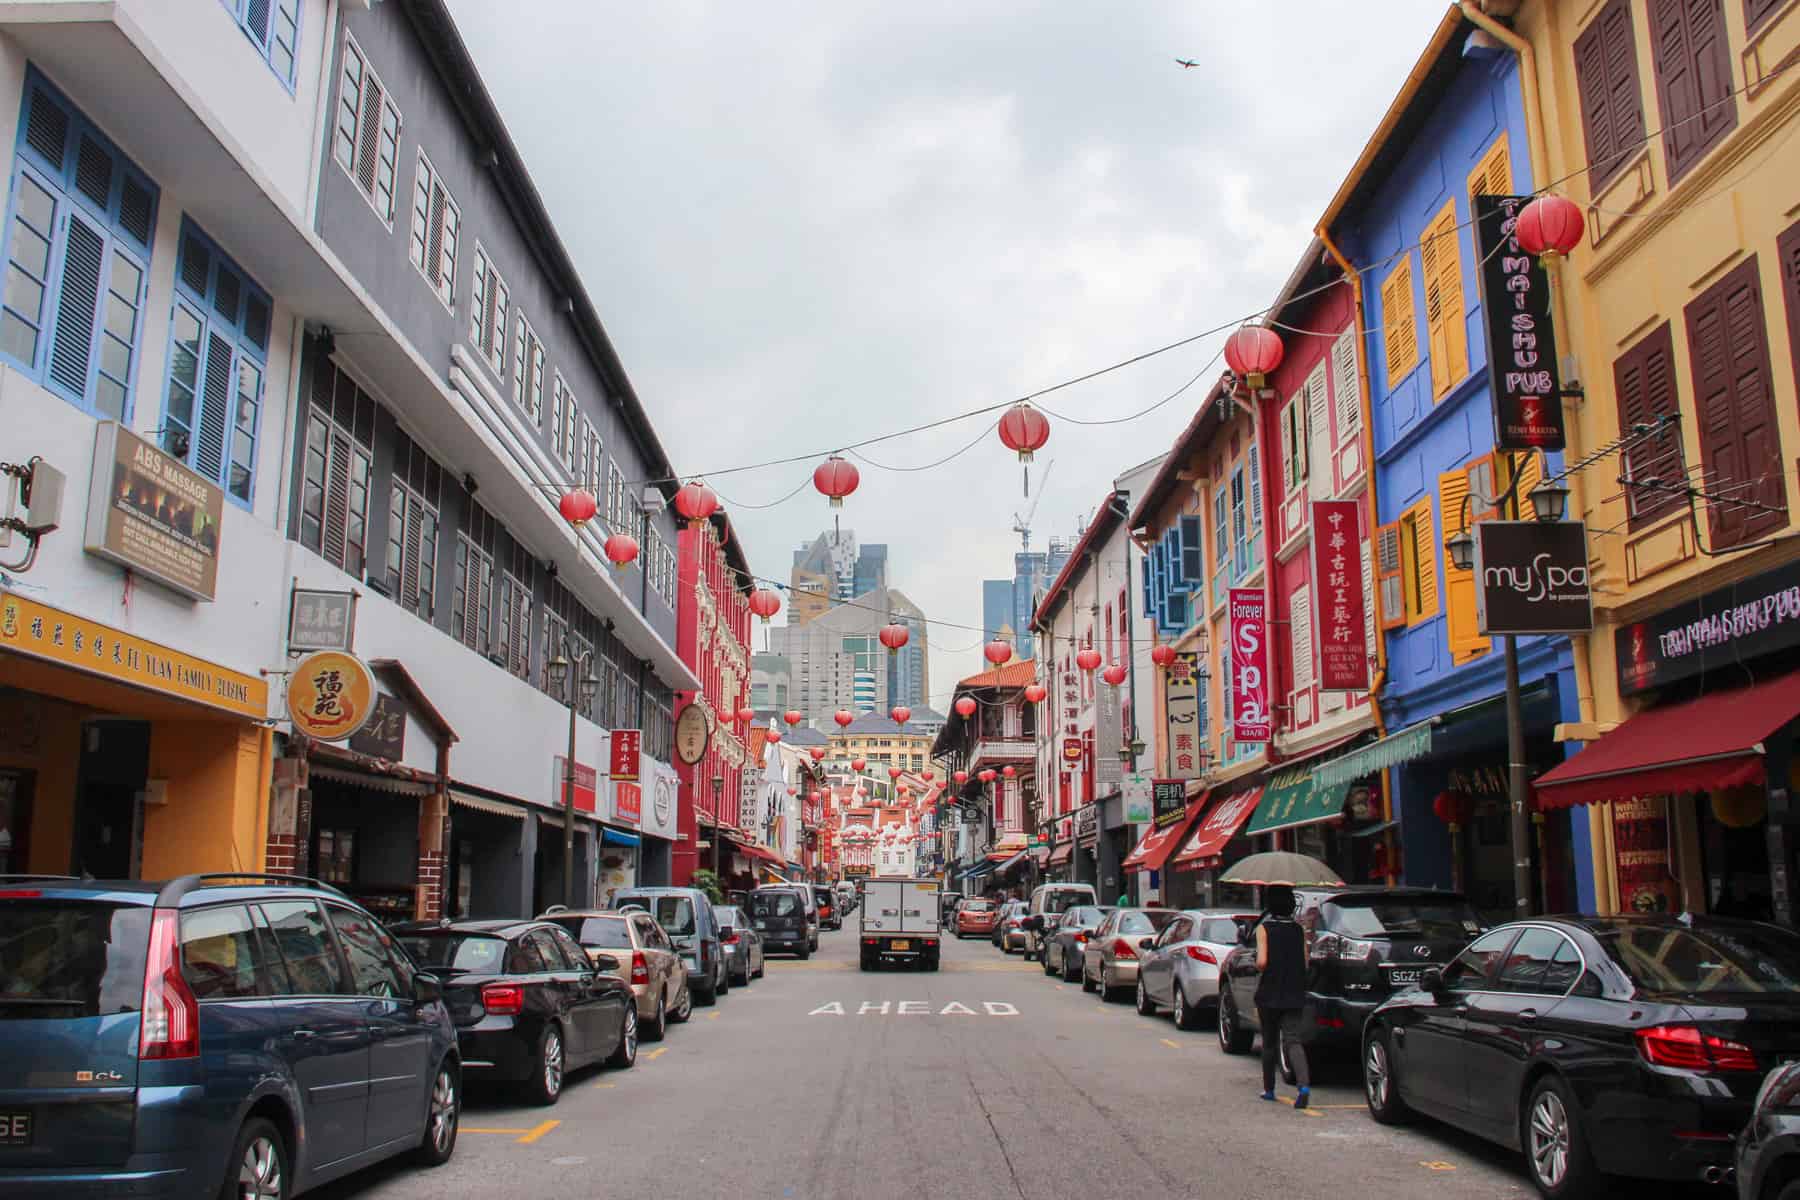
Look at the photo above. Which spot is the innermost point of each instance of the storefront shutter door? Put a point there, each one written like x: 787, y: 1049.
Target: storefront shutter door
x: 1740, y: 446
x: 1461, y: 625
x: 1644, y: 381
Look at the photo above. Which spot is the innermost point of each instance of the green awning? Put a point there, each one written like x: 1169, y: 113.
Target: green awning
x: 1410, y: 743
x: 1448, y: 733
x: 1296, y: 797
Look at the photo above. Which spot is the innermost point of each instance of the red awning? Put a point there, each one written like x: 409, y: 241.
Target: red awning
x: 1715, y: 741
x: 1061, y: 853
x: 757, y: 852
x: 1158, y: 844
x: 1221, y: 825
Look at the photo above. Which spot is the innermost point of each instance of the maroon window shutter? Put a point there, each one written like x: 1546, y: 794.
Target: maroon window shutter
x: 1644, y: 381
x: 1693, y: 78
x: 1788, y: 247
x: 1612, y: 104
x: 1739, y: 442
x: 1758, y: 11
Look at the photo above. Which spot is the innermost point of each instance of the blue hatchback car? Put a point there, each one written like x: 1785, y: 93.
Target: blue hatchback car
x: 236, y: 1035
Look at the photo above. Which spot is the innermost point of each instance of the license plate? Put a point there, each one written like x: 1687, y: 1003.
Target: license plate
x: 1403, y: 975
x: 900, y: 944
x: 762, y: 924
x: 15, y: 1128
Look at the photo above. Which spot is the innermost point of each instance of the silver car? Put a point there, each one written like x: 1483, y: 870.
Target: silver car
x: 1109, y: 961
x: 1180, y: 968
x: 743, y: 945
x: 1064, y: 941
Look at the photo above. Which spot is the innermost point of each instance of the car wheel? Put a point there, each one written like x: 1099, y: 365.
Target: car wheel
x: 762, y: 966
x: 1556, y: 1153
x: 1087, y: 985
x: 1104, y: 987
x: 546, y: 1082
x: 1232, y: 1040
x: 723, y: 985
x: 803, y: 953
x: 1146, y: 1007
x: 625, y: 1054
x: 1045, y: 959
x: 1187, y: 1016
x: 258, y: 1166
x: 659, y: 1026
x: 708, y: 994
x: 1070, y: 971
x: 684, y: 1007
x: 1381, y: 1087
x: 442, y: 1119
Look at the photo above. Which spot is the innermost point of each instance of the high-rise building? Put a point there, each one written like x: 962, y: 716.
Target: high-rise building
x: 1007, y: 604
x: 836, y: 660
x: 832, y: 569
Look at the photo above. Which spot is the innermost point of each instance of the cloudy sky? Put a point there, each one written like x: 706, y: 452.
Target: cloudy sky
x: 809, y: 224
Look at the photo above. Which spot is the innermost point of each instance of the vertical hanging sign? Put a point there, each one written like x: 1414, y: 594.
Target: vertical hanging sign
x: 1521, y: 338
x: 1250, y: 713
x: 1181, y: 713
x: 1337, y: 587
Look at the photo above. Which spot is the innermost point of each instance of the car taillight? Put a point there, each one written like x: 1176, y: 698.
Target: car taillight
x: 730, y: 939
x: 640, y: 968
x: 20, y: 894
x: 1123, y: 949
x: 1336, y: 946
x: 1081, y: 937
x: 503, y: 999
x: 1200, y: 954
x: 1686, y: 1047
x: 1012, y: 922
x: 170, y: 1027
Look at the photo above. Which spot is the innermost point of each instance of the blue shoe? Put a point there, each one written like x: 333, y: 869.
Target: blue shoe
x: 1301, y: 1098
x: 1269, y: 1096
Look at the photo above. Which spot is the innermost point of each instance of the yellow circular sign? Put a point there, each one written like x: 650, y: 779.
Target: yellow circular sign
x: 330, y: 695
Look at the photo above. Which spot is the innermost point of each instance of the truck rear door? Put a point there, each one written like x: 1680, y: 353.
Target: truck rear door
x: 881, y: 907
x: 919, y: 905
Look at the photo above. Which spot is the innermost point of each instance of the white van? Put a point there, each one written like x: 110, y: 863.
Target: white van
x: 1048, y: 902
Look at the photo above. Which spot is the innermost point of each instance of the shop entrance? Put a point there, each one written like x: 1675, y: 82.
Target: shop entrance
x: 15, y: 820
x: 109, y: 789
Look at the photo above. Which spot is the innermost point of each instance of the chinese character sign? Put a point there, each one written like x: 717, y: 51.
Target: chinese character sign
x: 1337, y: 589
x: 1250, y: 712
x: 330, y: 695
x: 626, y: 747
x: 321, y: 620
x: 1515, y: 303
x: 1181, y: 716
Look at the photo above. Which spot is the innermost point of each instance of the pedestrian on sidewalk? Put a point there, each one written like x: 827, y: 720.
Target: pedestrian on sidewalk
x: 1281, y: 990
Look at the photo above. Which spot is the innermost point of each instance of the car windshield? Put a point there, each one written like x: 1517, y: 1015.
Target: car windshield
x: 71, y: 958
x: 597, y: 933
x: 1220, y: 930
x: 1448, y: 918
x: 1063, y: 900
x: 1708, y: 960
x: 461, y: 953
x: 774, y: 904
x: 1084, y: 914
x: 728, y: 915
x: 674, y: 913
x: 1143, y: 922
x: 978, y: 905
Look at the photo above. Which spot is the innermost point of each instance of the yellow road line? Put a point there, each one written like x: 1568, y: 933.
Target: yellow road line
x: 1309, y: 1111
x: 710, y: 1017
x: 1171, y: 1045
x: 657, y: 1053
x: 473, y: 1129
x: 538, y: 1132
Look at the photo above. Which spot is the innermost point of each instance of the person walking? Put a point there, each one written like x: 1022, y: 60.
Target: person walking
x: 1281, y: 990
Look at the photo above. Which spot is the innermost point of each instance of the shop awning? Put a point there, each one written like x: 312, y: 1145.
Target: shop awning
x: 1061, y: 853
x: 618, y: 837
x: 1715, y: 741
x: 978, y: 871
x: 1009, y: 862
x: 1293, y: 798
x: 1214, y: 833
x: 374, y: 782
x: 758, y: 853
x: 1154, y: 850
x: 1444, y: 733
x: 483, y: 804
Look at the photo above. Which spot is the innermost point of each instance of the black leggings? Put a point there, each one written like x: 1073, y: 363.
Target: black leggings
x: 1279, y: 1025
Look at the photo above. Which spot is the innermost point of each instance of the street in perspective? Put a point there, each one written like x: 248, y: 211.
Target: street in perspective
x: 865, y: 601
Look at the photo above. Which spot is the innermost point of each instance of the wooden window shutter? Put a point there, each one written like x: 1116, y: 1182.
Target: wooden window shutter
x: 1739, y: 442
x: 1344, y: 383
x: 1527, y: 467
x: 1388, y: 561
x: 368, y: 132
x: 1293, y: 419
x: 1461, y: 624
x: 1368, y: 581
x: 1787, y: 246
x: 1300, y: 625
x: 1424, y: 563
x: 1493, y: 175
x: 1758, y: 11
x: 1693, y: 78
x: 1611, y: 97
x: 1320, y: 484
x: 1644, y: 382
x: 1399, y: 323
x: 478, y: 306
x: 337, y: 498
x: 434, y: 236
x: 1444, y: 322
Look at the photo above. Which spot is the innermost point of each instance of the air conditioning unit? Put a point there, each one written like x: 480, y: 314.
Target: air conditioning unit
x: 653, y: 501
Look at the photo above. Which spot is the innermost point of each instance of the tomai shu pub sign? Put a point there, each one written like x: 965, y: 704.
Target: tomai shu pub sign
x: 1521, y: 339
x: 1726, y: 625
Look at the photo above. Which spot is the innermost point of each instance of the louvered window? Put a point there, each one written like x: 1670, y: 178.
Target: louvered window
x: 1644, y: 382
x: 592, y: 458
x: 1295, y: 458
x: 1240, y: 526
x: 1740, y: 444
x: 218, y: 352
x: 1300, y: 618
x: 1221, y: 532
x: 1399, y: 323
x: 1787, y: 249
x: 413, y: 529
x: 489, y: 300
x: 528, y: 371
x: 1418, y: 564
x: 273, y: 27
x: 334, y: 498
x: 653, y: 561
x: 366, y: 138
x: 1612, y: 102
x: 471, y: 614
x: 1318, y: 434
x: 563, y: 416
x: 436, y: 232
x: 1347, y: 391
x: 1758, y: 12
x: 1388, y: 566
x: 512, y: 602
x: 77, y: 257
x: 615, y: 498
x: 1441, y: 253
x: 1460, y: 623
x: 1693, y: 79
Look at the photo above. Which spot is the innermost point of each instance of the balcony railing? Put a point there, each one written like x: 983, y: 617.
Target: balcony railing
x: 1005, y: 748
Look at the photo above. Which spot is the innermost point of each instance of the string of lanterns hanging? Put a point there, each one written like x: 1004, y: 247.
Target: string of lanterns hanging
x: 793, y: 716
x: 1114, y: 674
x: 843, y: 717
x: 900, y: 713
x: 765, y: 603
x: 894, y: 635
x: 1036, y: 692
x: 1024, y: 430
x: 1549, y: 227
x: 997, y: 651
x: 621, y: 550
x: 1162, y: 656
x: 965, y: 706
x: 1088, y: 660
x: 696, y: 503
x: 1253, y: 352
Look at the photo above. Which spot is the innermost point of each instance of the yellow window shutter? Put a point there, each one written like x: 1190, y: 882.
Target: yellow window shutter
x: 1444, y: 317
x: 1523, y: 464
x: 1492, y: 176
x: 1388, y: 561
x: 1461, y: 624
x: 1400, y: 324
x: 1424, y: 562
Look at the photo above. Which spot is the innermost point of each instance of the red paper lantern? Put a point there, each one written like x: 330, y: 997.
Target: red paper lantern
x: 577, y: 506
x: 836, y: 478
x: 961, y: 777
x: 746, y: 715
x: 987, y: 776
x: 857, y: 764
x: 818, y: 754
x: 765, y: 603
x: 1114, y: 674
x: 621, y: 549
x: 1009, y: 772
x: 696, y: 502
x: 997, y: 651
x: 793, y: 716
x: 1162, y: 656
x: 793, y: 791
x: 1549, y: 226
x: 900, y: 713
x: 1253, y: 353
x: 1088, y: 660
x: 926, y: 776
x: 774, y: 737
x: 1035, y: 692
x: 893, y: 772
x: 965, y: 706
x: 1452, y: 808
x: 813, y: 796
x: 894, y: 636
x: 1024, y: 430
x: 843, y: 717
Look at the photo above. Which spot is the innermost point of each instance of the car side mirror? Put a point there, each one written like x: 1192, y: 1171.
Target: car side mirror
x: 605, y: 962
x: 1431, y: 980
x: 427, y: 988
x: 1146, y: 943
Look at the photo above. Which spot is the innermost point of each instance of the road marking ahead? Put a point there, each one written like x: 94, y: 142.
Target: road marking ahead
x: 914, y: 1008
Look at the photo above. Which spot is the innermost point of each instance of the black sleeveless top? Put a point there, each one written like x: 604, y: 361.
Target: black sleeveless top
x: 1283, y: 982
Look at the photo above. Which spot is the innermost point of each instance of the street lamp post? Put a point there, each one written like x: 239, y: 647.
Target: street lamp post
x: 584, y: 688
x: 718, y: 784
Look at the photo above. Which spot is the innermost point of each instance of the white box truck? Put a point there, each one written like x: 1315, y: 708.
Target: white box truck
x: 901, y: 922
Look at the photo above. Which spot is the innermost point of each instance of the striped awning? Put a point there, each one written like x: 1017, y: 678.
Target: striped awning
x: 483, y: 804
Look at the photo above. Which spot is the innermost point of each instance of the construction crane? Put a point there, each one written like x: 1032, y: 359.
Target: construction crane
x: 1022, y: 525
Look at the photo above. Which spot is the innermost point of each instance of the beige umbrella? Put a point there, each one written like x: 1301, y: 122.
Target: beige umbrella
x: 1282, y: 867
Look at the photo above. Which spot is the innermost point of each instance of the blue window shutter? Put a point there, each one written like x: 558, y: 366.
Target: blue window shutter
x: 1172, y: 548
x: 1144, y: 567
x: 214, y: 418
x: 1225, y: 681
x: 1178, y: 611
x: 46, y: 128
x: 77, y: 307
x: 256, y: 21
x: 1193, y: 552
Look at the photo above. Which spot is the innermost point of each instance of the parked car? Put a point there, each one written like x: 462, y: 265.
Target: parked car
x: 1048, y: 902
x: 743, y: 945
x: 686, y: 916
x: 1597, y: 1045
x: 647, y: 960
x: 778, y: 912
x: 947, y: 910
x: 1066, y: 940
x: 1179, y: 969
x: 1009, y: 934
x: 205, y: 1009
x: 1365, y: 943
x: 831, y: 915
x: 1109, y: 960
x: 1768, y: 1150
x: 530, y: 1005
x: 976, y: 917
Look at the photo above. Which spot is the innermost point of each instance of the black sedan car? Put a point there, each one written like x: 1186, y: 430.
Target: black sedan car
x: 1768, y: 1151
x: 529, y: 1003
x: 1597, y: 1045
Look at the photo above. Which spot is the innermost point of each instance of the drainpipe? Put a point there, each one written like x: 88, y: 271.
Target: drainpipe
x: 1605, y: 884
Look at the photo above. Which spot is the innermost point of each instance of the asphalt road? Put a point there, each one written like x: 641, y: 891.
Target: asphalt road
x: 984, y: 1080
